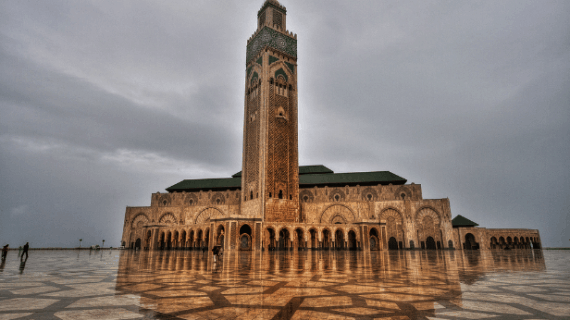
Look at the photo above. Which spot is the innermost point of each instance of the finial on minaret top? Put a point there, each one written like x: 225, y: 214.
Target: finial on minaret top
x: 272, y: 14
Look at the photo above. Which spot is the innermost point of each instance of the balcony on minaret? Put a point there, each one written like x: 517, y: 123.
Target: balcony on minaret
x: 272, y: 14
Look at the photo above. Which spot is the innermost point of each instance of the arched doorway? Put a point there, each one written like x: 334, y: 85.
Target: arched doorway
x: 351, y: 240
x: 269, y: 240
x: 374, y: 243
x: 220, y: 234
x: 169, y: 240
x: 313, y: 243
x: 284, y: 239
x: 138, y: 243
x: 162, y: 241
x: 191, y: 239
x: 300, y: 239
x: 245, y: 237
x: 470, y: 243
x: 326, y: 239
x: 199, y: 239
x: 175, y: 243
x: 207, y: 238
x: 430, y: 243
x: 392, y: 244
x: 339, y: 239
x: 147, y: 241
x: 183, y: 244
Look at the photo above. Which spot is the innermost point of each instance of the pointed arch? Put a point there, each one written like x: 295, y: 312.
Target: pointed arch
x: 335, y: 210
x: 140, y: 217
x: 205, y: 215
x: 167, y: 217
x: 427, y: 210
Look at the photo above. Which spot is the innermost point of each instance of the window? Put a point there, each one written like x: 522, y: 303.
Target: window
x: 280, y: 194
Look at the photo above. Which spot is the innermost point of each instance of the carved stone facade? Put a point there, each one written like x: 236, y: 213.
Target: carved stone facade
x: 274, y: 203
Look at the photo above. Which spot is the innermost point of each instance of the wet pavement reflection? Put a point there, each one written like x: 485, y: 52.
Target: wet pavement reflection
x: 514, y: 284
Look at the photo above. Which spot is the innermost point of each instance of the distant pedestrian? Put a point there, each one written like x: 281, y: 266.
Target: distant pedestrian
x: 19, y: 251
x: 4, y: 252
x: 26, y: 247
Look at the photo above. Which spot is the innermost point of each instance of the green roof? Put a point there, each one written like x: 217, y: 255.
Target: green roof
x: 309, y: 176
x: 461, y: 221
x: 206, y: 184
x: 351, y: 178
x: 314, y: 169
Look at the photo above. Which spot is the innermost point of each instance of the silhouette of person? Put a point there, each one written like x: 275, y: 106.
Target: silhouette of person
x: 26, y: 247
x: 4, y: 252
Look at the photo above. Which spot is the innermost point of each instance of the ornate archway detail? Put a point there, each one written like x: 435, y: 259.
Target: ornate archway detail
x: 337, y: 210
x: 167, y: 218
x: 218, y: 199
x: 391, y: 212
x: 369, y: 194
x: 164, y: 200
x: 337, y: 195
x: 427, y: 211
x: 139, y: 220
x: 306, y: 196
x: 205, y: 215
x: 338, y: 219
x: 191, y: 199
x: 405, y: 191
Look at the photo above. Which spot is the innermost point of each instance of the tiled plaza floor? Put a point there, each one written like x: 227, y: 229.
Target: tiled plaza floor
x: 286, y: 285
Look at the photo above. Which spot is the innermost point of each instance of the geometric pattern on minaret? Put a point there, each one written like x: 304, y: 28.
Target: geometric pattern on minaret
x: 270, y: 165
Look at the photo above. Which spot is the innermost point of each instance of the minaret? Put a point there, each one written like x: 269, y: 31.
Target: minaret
x: 270, y: 168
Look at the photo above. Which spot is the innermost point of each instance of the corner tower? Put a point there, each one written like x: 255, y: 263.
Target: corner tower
x: 270, y: 167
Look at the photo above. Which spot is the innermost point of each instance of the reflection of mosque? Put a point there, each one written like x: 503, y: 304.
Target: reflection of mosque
x: 274, y: 203
x: 421, y: 278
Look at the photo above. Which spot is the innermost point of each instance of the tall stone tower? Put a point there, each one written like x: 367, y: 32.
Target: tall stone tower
x: 270, y: 168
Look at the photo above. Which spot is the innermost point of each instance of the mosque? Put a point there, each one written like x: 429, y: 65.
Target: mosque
x: 273, y: 203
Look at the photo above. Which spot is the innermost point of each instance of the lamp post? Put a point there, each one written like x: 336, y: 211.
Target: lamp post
x: 80, y: 242
x: 103, y: 244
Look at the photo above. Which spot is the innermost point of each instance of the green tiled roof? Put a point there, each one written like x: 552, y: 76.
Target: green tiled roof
x: 206, y: 184
x: 461, y: 221
x: 314, y: 169
x: 351, y: 178
x: 309, y: 176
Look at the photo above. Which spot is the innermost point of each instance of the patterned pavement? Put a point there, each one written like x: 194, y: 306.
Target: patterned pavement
x: 286, y: 285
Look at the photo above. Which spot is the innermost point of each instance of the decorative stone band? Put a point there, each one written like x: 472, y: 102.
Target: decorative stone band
x: 268, y: 37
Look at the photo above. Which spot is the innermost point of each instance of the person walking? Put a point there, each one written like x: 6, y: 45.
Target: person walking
x: 5, y: 252
x: 26, y: 247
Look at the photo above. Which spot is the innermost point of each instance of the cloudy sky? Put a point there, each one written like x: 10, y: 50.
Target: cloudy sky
x: 104, y: 102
